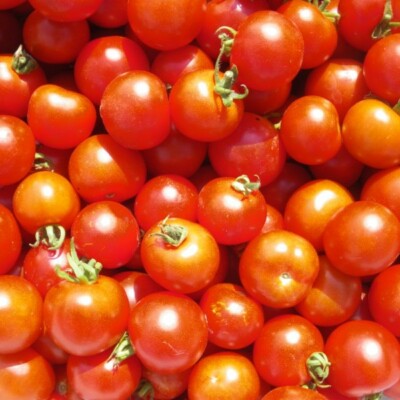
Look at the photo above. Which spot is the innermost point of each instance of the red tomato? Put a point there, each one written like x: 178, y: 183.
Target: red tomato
x: 8, y: 4
x: 109, y: 56
x: 59, y: 117
x: 224, y: 376
x: 36, y: 382
x: 110, y: 14
x: 293, y: 393
x: 282, y: 348
x: 278, y: 268
x: 254, y: 148
x: 180, y: 255
x: 21, y: 307
x: 362, y: 239
x: 369, y: 351
x: 168, y: 332
x: 166, y: 26
x: 234, y: 318
x: 268, y: 50
x: 135, y: 110
x: 99, y: 168
x: 10, y: 240
x: 45, y: 346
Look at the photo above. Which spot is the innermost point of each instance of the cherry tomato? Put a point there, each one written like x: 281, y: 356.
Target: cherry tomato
x: 45, y: 346
x: 278, y: 268
x: 135, y: 110
x: 110, y: 14
x: 224, y: 375
x: 293, y: 393
x: 282, y: 348
x: 168, y: 332
x: 8, y: 4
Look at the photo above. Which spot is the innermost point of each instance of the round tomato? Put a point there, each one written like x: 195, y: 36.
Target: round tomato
x: 10, y: 240
x: 293, y: 393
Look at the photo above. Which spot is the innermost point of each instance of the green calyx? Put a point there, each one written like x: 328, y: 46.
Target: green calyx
x: 318, y: 368
x: 386, y: 24
x: 122, y: 350
x: 42, y: 163
x: 22, y: 62
x: 244, y: 185
x: 374, y: 396
x: 174, y: 235
x: 51, y: 236
x: 144, y: 390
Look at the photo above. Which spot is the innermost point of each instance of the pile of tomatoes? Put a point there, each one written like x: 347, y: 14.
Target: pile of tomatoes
x: 199, y: 199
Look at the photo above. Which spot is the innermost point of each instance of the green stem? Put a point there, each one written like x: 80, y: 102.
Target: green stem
x: 318, y: 368
x: 52, y: 236
x: 244, y: 185
x: 386, y: 23
x: 42, y: 163
x: 396, y: 107
x: 145, y: 390
x: 173, y: 235
x: 22, y: 62
x: 375, y: 396
x: 122, y: 350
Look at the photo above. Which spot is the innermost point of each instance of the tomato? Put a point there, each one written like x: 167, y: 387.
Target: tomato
x: 311, y: 206
x: 207, y: 119
x: 36, y: 382
x: 17, y: 149
x: 54, y: 42
x: 293, y: 393
x: 21, y: 307
x: 234, y: 319
x: 8, y: 4
x: 86, y: 318
x: 52, y: 159
x: 383, y: 57
x: 180, y: 255
x: 135, y: 110
x: 166, y: 26
x: 268, y: 50
x: 362, y: 238
x: 282, y: 348
x: 365, y: 125
x: 45, y: 346
x: 44, y: 198
x: 254, y: 148
x: 369, y: 351
x: 10, y: 240
x: 383, y: 299
x: 17, y: 87
x: 99, y: 168
x: 106, y: 231
x: 168, y: 332
x: 110, y: 14
x: 278, y: 268
x: 339, y: 80
x: 224, y: 375
x: 66, y: 11
x: 163, y: 195
x: 108, y: 56
x: 169, y: 65
x: 310, y: 20
x: 59, y: 117
x: 322, y: 138
x: 333, y: 298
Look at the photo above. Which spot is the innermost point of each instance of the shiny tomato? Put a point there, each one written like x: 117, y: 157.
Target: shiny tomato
x: 278, y: 268
x: 110, y: 14
x: 224, y: 376
x: 293, y: 393
x: 168, y: 332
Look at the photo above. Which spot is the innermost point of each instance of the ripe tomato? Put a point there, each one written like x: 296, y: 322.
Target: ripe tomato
x: 17, y: 149
x: 377, y: 233
x: 21, y: 307
x: 232, y: 209
x: 268, y: 50
x: 109, y: 56
x: 110, y: 14
x: 282, y: 348
x: 99, y: 168
x: 322, y: 138
x: 45, y: 346
x: 224, y: 376
x: 163, y: 195
x: 168, y: 332
x: 254, y: 148
x: 333, y: 298
x: 278, y: 268
x: 293, y: 393
x: 59, y: 117
x: 180, y: 255
x: 311, y: 206
x: 135, y: 110
x: 8, y: 4
x: 207, y: 119
x: 36, y: 382
x: 369, y: 351
x: 166, y: 26
x: 106, y: 231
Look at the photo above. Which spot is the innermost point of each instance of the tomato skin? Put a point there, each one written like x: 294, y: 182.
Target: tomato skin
x: 293, y: 393
x: 224, y: 375
x: 17, y: 89
x: 166, y: 26
x: 8, y: 4
x: 207, y: 119
x: 365, y: 125
x: 278, y: 268
x: 279, y: 359
x: 37, y: 382
x: 377, y: 231
x: 51, y: 199
x: 168, y: 331
x: 110, y: 14
x: 74, y: 314
x: 369, y: 351
x: 10, y: 240
x: 135, y: 110
x: 268, y: 50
